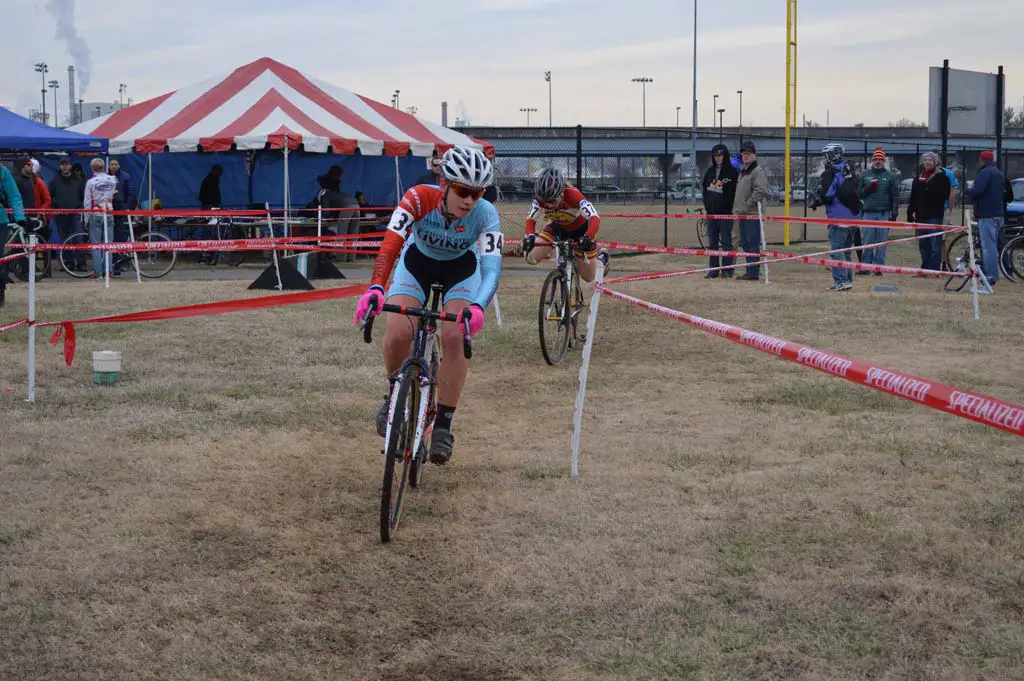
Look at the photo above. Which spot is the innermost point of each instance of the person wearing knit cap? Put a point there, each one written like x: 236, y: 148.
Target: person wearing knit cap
x: 882, y: 205
x: 989, y: 210
x: 928, y: 196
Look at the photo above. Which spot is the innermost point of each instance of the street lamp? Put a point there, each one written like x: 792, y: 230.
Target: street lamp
x: 740, y: 93
x: 412, y: 110
x: 121, y: 89
x: 53, y: 86
x: 527, y: 110
x: 547, y: 77
x: 720, y: 112
x: 714, y: 108
x: 677, y: 115
x: 394, y: 99
x: 42, y: 69
x: 644, y: 80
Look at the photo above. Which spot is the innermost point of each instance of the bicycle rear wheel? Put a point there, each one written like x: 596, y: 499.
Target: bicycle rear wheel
x: 399, y: 449
x: 154, y: 264
x: 702, y: 232
x: 958, y: 254
x: 553, y: 317
x: 19, y: 268
x: 77, y: 264
x: 1012, y: 258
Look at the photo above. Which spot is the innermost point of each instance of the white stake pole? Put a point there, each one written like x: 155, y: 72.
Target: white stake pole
x: 764, y: 242
x: 106, y: 254
x: 32, y: 242
x: 577, y: 425
x: 497, y: 310
x: 135, y: 254
x: 270, y: 226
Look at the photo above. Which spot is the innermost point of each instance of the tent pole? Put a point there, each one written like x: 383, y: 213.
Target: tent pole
x: 286, y: 232
x: 149, y: 218
x: 398, y: 183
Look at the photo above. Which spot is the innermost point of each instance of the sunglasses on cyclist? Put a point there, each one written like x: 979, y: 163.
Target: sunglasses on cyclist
x: 467, y: 192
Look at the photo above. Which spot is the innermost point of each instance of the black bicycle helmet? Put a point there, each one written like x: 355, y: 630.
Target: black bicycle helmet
x: 549, y: 185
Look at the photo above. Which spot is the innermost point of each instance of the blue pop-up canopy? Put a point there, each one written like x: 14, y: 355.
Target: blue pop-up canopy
x: 18, y: 132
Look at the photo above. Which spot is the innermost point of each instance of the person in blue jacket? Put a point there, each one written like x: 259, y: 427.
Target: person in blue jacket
x: 10, y: 198
x: 989, y: 209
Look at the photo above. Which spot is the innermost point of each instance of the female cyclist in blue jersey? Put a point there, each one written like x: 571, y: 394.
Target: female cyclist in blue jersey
x: 456, y: 242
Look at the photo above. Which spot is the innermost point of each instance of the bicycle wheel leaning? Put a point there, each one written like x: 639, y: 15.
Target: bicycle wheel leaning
x: 702, y: 232
x: 154, y: 264
x: 19, y: 268
x: 76, y: 263
x: 553, y: 318
x: 404, y: 407
x: 1012, y: 259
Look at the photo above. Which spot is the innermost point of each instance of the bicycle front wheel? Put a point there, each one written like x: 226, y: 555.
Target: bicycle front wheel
x: 154, y: 264
x: 702, y: 232
x: 398, y: 459
x: 76, y: 263
x: 19, y: 268
x: 416, y: 470
x: 1012, y: 259
x: 553, y: 317
x: 958, y: 254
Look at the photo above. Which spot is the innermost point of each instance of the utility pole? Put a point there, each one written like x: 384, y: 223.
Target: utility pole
x: 644, y: 80
x: 547, y: 77
x: 720, y: 113
x: 42, y: 69
x: 677, y: 115
x: 693, y: 132
x: 121, y: 89
x: 53, y: 86
x: 528, y: 110
x: 740, y: 93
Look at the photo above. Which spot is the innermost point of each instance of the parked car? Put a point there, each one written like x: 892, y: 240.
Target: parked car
x: 905, y: 186
x: 684, y: 191
x: 1015, y: 209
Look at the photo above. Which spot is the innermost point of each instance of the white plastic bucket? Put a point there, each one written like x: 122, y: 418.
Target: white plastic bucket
x: 106, y: 366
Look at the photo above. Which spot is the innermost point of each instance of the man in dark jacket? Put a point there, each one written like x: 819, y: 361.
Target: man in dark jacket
x: 719, y: 189
x: 67, y: 192
x: 26, y: 182
x: 928, y: 196
x: 209, y: 190
x: 989, y: 209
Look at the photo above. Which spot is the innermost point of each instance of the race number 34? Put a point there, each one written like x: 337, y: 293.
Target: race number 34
x: 493, y: 241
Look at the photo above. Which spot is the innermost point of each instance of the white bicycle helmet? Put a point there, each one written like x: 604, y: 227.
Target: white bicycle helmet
x: 833, y: 152
x: 468, y: 167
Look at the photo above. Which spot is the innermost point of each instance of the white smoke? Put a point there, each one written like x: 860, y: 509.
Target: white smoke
x: 462, y: 114
x: 64, y: 12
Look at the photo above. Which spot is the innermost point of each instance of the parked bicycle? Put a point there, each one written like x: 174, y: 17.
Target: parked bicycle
x: 958, y: 253
x: 561, y: 304
x: 413, y: 405
x: 151, y: 264
x: 17, y: 241
x: 701, y: 226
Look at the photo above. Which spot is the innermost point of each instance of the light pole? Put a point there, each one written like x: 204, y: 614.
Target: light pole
x: 714, y: 108
x: 80, y: 103
x: 53, y: 86
x: 677, y: 115
x: 394, y: 98
x: 42, y: 69
x: 720, y: 112
x: 412, y: 110
x: 693, y: 131
x: 644, y: 80
x: 547, y: 77
x: 527, y: 110
x: 740, y: 93
x: 121, y: 89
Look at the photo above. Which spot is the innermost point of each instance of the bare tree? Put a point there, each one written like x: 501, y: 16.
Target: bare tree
x: 905, y: 122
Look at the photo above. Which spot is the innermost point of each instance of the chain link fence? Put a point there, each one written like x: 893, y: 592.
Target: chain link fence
x: 635, y: 176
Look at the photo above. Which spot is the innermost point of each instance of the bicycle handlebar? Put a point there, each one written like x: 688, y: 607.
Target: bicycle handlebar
x: 423, y: 313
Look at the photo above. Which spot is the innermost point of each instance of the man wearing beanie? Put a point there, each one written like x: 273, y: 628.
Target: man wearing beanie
x: 987, y: 196
x: 881, y: 205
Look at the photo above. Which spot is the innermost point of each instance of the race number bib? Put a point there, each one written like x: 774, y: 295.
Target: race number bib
x: 401, y: 222
x: 491, y: 243
x: 587, y: 209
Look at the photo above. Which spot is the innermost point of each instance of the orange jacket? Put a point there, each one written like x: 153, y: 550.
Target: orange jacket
x: 43, y: 200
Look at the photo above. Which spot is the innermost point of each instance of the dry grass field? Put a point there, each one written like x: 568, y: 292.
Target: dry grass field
x: 214, y: 514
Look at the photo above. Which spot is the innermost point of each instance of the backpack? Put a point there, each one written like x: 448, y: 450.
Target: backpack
x: 848, y: 192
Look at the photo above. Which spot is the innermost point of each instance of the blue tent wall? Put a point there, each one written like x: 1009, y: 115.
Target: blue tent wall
x: 177, y: 176
x: 372, y: 175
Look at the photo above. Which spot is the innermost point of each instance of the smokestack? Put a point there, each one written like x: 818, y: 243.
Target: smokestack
x: 444, y: 114
x: 72, y: 102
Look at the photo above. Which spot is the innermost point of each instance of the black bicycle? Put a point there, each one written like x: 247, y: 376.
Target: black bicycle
x: 413, y: 405
x: 17, y: 241
x: 561, y: 304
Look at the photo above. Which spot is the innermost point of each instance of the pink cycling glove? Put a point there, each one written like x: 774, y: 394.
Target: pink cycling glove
x: 476, y: 319
x: 366, y: 300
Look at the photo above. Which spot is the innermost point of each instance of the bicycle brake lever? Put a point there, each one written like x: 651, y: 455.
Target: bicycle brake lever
x: 467, y: 343
x: 368, y: 322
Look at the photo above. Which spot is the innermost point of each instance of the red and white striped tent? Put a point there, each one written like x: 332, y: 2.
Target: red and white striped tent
x: 264, y: 103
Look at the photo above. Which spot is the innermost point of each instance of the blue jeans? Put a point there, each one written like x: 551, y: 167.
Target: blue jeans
x: 930, y: 248
x: 96, y: 236
x: 720, y: 238
x: 840, y: 237
x: 990, y: 230
x: 875, y: 235
x: 750, y: 242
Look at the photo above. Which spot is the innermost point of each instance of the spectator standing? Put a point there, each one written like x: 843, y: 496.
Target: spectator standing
x: 751, y: 189
x: 99, y: 196
x: 68, y: 193
x: 433, y: 174
x: 26, y: 182
x: 928, y: 196
x: 881, y: 205
x: 719, y: 191
x: 209, y: 189
x: 10, y: 197
x: 987, y: 197
x: 42, y: 193
x: 343, y: 207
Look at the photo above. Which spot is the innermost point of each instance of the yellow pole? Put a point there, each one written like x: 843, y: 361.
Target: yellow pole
x: 790, y: 105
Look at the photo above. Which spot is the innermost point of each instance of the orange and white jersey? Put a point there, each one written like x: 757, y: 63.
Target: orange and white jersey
x: 571, y: 213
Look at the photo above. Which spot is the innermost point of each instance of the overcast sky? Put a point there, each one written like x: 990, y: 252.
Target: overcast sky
x: 863, y: 61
